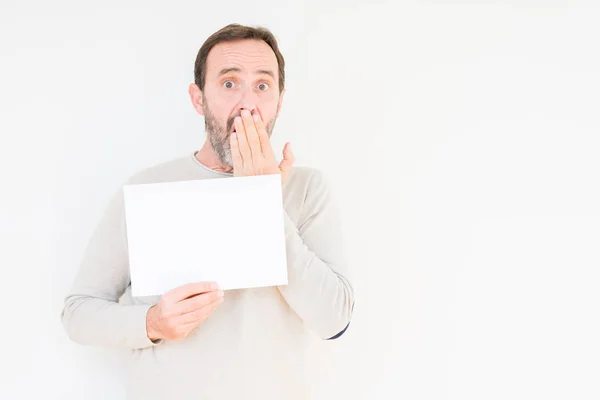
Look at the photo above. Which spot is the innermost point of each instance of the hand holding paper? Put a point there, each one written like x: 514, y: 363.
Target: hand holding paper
x: 181, y: 310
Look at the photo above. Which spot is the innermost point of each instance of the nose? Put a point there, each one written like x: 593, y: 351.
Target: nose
x: 248, y: 100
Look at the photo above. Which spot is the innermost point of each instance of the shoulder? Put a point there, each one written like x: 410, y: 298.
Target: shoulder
x: 170, y: 170
x: 310, y: 189
x: 309, y: 180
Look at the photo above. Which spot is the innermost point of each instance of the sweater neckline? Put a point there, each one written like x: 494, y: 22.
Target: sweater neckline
x: 198, y: 163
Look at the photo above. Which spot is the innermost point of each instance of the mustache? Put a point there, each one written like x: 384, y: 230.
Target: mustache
x: 231, y: 122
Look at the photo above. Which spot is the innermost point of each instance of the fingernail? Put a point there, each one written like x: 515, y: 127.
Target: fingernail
x: 214, y: 286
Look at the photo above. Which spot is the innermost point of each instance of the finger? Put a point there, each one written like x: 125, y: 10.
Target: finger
x: 243, y: 146
x: 196, y: 302
x: 252, y: 135
x: 288, y: 158
x: 263, y: 136
x: 285, y: 166
x: 200, y: 314
x: 236, y: 156
x: 191, y: 289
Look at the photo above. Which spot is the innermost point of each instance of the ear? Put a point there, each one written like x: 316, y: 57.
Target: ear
x: 196, y: 97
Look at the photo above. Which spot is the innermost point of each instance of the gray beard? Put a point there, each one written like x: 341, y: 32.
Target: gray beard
x: 219, y: 136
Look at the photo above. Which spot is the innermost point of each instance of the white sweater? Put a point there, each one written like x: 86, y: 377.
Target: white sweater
x: 253, y: 346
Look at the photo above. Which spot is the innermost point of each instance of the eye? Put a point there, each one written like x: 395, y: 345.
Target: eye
x: 228, y: 84
x: 263, y: 86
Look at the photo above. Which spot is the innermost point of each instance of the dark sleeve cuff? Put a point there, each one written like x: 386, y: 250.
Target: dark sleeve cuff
x: 339, y: 334
x: 343, y: 330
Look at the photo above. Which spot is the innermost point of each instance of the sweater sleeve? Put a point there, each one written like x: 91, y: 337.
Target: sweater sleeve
x: 319, y: 288
x: 92, y: 313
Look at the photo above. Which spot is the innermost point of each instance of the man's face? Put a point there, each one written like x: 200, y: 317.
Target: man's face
x: 239, y: 75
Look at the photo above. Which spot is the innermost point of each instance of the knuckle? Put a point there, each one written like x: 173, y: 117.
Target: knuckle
x: 167, y: 313
x: 166, y: 305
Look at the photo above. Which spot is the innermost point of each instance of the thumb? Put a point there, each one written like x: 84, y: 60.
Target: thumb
x: 288, y: 160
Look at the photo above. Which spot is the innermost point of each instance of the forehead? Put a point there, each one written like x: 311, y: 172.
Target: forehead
x: 248, y: 55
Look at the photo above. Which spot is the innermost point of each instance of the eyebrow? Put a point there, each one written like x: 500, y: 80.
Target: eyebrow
x: 236, y: 69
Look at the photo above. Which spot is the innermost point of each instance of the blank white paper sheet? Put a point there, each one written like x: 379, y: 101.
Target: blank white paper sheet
x: 228, y: 230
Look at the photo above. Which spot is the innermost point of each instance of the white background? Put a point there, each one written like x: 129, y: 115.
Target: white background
x: 462, y: 140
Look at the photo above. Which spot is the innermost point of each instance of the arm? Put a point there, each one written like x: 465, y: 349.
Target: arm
x: 318, y: 287
x: 92, y: 314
